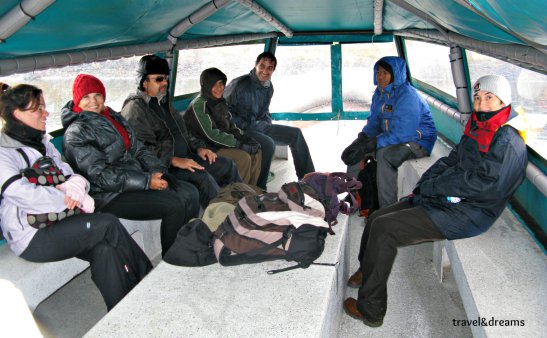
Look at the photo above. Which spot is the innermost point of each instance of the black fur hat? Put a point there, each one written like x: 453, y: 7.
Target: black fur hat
x: 151, y: 64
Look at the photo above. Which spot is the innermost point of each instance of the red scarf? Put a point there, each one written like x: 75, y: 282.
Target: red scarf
x: 483, y: 131
x: 119, y: 127
x: 121, y: 130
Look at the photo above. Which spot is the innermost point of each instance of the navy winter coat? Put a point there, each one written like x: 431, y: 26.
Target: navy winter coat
x: 484, y: 182
x: 249, y: 102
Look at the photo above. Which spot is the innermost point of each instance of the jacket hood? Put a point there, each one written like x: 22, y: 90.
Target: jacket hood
x: 207, y: 80
x: 398, y: 65
x: 68, y: 115
x: 517, y: 120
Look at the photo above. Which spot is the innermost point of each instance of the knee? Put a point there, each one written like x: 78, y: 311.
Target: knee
x: 187, y: 192
x: 107, y: 224
x: 246, y: 159
x: 227, y: 163
x: 381, y: 232
x: 267, y: 145
x: 298, y: 133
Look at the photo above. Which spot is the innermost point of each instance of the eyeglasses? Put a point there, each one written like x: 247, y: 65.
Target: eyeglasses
x: 159, y: 79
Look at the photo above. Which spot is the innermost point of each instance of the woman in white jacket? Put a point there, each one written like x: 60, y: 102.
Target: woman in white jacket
x: 46, y: 212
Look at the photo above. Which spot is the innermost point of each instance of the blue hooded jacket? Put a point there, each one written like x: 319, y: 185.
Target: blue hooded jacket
x: 398, y: 113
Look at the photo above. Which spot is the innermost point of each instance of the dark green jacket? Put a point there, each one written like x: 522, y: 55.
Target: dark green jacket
x: 209, y: 120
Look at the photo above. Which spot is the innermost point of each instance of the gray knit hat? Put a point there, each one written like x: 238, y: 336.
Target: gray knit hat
x: 495, y: 84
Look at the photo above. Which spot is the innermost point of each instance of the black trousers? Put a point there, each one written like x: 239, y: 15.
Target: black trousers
x: 173, y: 208
x: 387, y: 229
x: 221, y: 172
x: 117, y: 262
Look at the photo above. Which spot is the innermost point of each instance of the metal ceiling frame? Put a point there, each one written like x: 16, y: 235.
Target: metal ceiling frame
x: 195, y: 18
x: 424, y: 16
x: 523, y: 56
x: 378, y: 17
x: 20, y: 15
x: 469, y: 6
x: 266, y: 16
x: 39, y: 62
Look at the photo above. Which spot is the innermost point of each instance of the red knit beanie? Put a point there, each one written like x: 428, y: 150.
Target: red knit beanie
x: 85, y: 84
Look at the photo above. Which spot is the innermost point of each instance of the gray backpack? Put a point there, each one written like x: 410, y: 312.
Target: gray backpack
x: 287, y: 225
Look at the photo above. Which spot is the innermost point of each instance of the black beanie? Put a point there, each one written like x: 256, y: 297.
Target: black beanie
x: 208, y: 78
x: 151, y: 64
x: 387, y: 67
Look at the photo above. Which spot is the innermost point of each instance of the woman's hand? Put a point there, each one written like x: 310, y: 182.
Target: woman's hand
x: 157, y: 183
x: 76, y: 195
x: 75, y: 191
x: 71, y: 203
x: 207, y: 155
x: 186, y: 163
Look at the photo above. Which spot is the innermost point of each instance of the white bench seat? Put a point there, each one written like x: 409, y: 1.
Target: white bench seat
x: 37, y: 281
x: 237, y: 301
x: 501, y: 275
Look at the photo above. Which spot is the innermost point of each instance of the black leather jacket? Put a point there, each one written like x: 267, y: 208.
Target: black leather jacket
x: 152, y: 130
x: 95, y: 149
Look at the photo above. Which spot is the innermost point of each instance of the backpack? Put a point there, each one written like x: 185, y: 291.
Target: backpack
x: 286, y: 225
x: 367, y: 195
x: 329, y: 186
x: 193, y: 246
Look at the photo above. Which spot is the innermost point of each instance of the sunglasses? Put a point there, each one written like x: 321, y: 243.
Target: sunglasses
x: 159, y: 79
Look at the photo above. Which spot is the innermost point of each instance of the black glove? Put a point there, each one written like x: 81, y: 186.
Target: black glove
x: 171, y: 180
x: 409, y: 198
x: 356, y: 151
x: 249, y: 145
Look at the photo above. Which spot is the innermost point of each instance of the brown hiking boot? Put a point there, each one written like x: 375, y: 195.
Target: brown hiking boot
x: 350, y: 307
x: 356, y: 280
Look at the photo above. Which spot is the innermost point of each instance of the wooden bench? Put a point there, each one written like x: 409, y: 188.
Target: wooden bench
x: 501, y: 275
x: 237, y: 301
x: 37, y: 281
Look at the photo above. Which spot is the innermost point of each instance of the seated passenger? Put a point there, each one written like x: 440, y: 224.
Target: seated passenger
x: 208, y: 118
x: 399, y: 128
x: 459, y: 196
x: 45, y: 211
x: 127, y: 179
x: 161, y: 128
x: 249, y: 98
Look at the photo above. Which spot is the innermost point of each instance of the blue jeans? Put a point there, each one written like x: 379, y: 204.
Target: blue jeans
x: 267, y: 145
x: 283, y: 135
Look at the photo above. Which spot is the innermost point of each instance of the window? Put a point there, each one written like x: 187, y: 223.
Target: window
x: 118, y: 77
x: 302, y: 79
x: 529, y: 94
x: 430, y: 63
x: 233, y: 61
x: 357, y: 72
